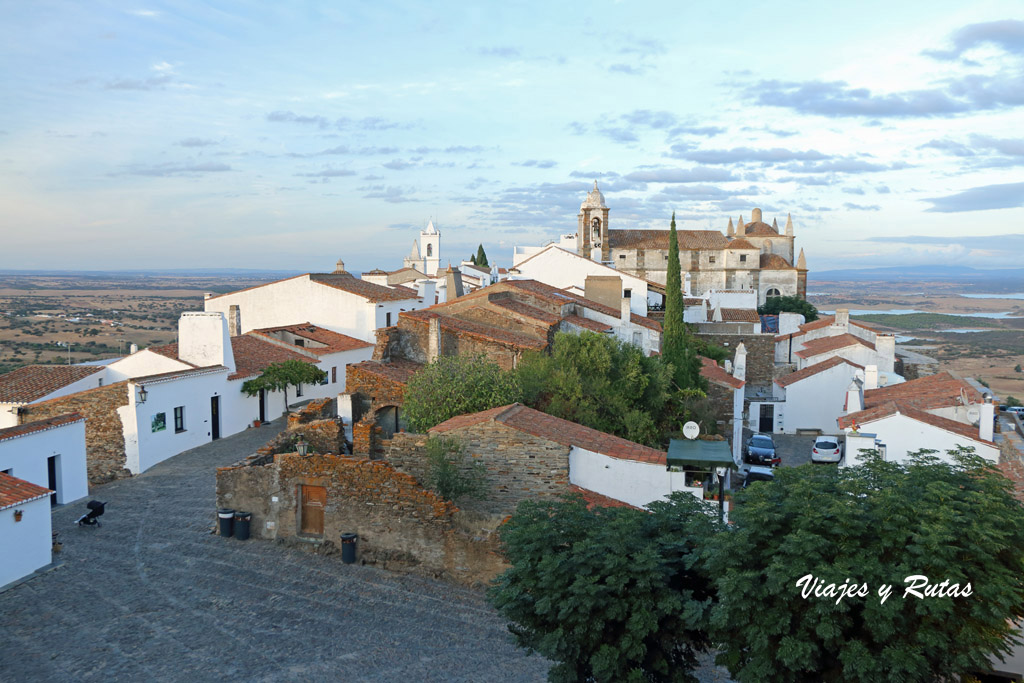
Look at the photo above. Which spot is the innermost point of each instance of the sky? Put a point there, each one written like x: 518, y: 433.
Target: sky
x: 286, y: 135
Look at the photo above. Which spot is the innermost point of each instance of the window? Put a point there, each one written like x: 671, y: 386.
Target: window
x: 711, y: 259
x: 101, y: 382
x: 623, y: 257
x: 300, y: 342
x: 772, y: 292
x: 743, y: 258
x: 387, y: 320
x: 179, y: 419
x: 628, y: 294
x: 334, y: 375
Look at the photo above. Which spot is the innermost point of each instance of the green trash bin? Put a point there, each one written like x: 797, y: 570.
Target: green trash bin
x: 242, y: 520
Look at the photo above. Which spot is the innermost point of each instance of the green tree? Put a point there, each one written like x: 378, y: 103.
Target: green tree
x: 280, y: 376
x: 677, y: 345
x: 613, y: 594
x: 1012, y: 402
x: 481, y: 257
x: 874, y: 524
x: 788, y: 304
x: 456, y: 385
x: 600, y: 382
x: 450, y: 473
x: 1018, y: 368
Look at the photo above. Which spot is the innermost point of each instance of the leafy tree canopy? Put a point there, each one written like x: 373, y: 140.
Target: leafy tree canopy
x: 600, y: 382
x: 1012, y: 402
x: 280, y: 376
x: 878, y: 524
x: 789, y: 304
x: 450, y: 473
x: 613, y: 594
x: 456, y: 385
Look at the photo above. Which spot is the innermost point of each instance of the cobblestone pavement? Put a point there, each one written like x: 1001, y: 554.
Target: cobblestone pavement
x: 152, y: 596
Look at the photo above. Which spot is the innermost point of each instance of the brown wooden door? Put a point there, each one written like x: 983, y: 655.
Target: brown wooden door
x: 312, y: 509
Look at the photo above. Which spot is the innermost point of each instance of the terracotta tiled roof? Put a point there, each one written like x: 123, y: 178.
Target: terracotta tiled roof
x: 32, y: 382
x: 812, y: 370
x: 335, y: 341
x: 774, y: 262
x: 713, y: 372
x: 253, y: 355
x: 534, y: 422
x: 692, y: 301
x: 396, y: 370
x: 760, y: 229
x: 375, y: 271
x: 493, y: 334
x: 933, y: 391
x: 39, y: 425
x: 526, y: 310
x: 1013, y: 469
x: 822, y: 321
x: 740, y: 243
x: 562, y: 296
x: 14, y: 491
x: 593, y: 499
x: 816, y: 347
x: 169, y: 351
x: 888, y: 408
x: 740, y: 315
x: 586, y: 324
x: 658, y: 239
x: 362, y: 288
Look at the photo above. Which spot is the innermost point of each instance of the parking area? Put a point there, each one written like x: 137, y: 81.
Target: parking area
x: 793, y: 449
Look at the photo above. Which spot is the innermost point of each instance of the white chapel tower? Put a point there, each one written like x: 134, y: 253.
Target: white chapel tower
x: 430, y: 249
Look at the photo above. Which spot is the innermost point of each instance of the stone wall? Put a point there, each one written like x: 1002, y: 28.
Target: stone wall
x: 760, y: 354
x: 401, y: 525
x: 720, y: 399
x: 366, y: 437
x: 382, y: 390
x: 519, y: 465
x: 104, y: 433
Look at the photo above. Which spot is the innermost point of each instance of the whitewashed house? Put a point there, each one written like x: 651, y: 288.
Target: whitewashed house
x: 38, y: 383
x: 25, y: 531
x: 336, y: 301
x: 48, y: 453
x: 939, y: 412
x: 826, y: 337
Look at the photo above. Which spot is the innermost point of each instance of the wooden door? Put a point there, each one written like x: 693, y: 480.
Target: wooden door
x: 311, y: 514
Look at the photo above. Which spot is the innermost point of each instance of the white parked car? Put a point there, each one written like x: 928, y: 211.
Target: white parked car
x: 827, y: 449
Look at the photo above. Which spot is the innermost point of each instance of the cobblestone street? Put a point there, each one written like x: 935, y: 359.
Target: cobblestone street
x: 152, y: 595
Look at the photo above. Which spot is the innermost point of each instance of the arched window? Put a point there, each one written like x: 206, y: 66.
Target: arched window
x: 430, y: 250
x: 767, y: 246
x: 596, y: 223
x: 772, y: 292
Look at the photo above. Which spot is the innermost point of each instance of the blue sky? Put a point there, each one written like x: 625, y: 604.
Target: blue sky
x: 287, y: 135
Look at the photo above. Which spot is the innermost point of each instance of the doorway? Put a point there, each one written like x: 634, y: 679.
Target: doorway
x: 51, y: 477
x: 766, y: 423
x: 311, y: 512
x: 215, y: 417
x: 263, y: 405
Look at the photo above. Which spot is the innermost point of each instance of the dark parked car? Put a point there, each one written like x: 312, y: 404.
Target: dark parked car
x: 757, y: 473
x: 760, y: 450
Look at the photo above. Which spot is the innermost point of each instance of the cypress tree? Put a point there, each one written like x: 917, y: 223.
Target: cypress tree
x: 676, y: 346
x: 481, y: 258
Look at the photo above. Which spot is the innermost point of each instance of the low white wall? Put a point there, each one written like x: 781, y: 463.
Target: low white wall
x: 26, y: 457
x: 633, y: 482
x: 26, y: 544
x: 902, y: 435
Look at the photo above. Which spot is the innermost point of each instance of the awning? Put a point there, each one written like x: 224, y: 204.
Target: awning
x: 699, y: 453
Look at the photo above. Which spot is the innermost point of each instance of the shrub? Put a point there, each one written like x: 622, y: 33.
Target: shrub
x: 450, y: 473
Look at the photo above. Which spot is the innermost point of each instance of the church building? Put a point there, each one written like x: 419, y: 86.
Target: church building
x: 748, y: 256
x: 426, y: 253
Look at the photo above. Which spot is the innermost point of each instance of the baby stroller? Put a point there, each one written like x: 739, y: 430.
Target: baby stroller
x: 91, y: 518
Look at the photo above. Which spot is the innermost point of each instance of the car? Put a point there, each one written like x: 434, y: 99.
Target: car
x: 758, y: 473
x: 1018, y: 410
x: 827, y: 449
x: 760, y: 450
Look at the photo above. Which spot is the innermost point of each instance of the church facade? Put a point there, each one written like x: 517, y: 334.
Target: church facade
x: 748, y: 256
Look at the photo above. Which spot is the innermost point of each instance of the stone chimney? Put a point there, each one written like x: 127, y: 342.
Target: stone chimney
x: 870, y: 377
x: 739, y: 364
x: 339, y: 267
x: 842, y: 319
x: 855, y: 397
x: 203, y: 340
x: 986, y: 427
x: 453, y: 278
x: 885, y: 346
x: 624, y: 307
x: 234, y: 320
x: 207, y: 295
x: 425, y: 290
x: 433, y: 339
x: 755, y: 216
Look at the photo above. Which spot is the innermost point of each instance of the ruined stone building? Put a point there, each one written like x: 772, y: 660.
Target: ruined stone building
x: 748, y: 256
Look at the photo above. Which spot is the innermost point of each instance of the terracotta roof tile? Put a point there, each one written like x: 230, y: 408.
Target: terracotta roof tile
x: 14, y: 491
x: 477, y: 330
x: 32, y: 382
x: 169, y: 351
x: 396, y: 370
x: 816, y: 347
x: 658, y: 239
x: 692, y: 301
x: 562, y: 296
x: 760, y: 229
x: 740, y: 243
x: 594, y: 499
x: 586, y: 324
x: 39, y: 425
x: 362, y: 288
x: 812, y: 370
x: 740, y: 315
x: 334, y: 342
x: 534, y: 422
x: 774, y: 262
x: 526, y: 310
x: 893, y: 407
x: 822, y: 321
x: 253, y: 355
x: 713, y: 372
x: 933, y: 391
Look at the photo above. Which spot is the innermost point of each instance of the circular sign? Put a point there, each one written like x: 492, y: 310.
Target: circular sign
x: 691, y: 430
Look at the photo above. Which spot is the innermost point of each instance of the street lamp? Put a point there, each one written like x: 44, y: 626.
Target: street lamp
x: 720, y: 471
x: 143, y: 394
x: 302, y: 447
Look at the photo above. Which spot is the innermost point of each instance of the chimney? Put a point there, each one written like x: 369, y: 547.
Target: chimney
x: 854, y: 397
x: 755, y: 216
x: 203, y: 340
x: 134, y: 348
x: 842, y: 319
x: 986, y: 427
x: 728, y: 366
x: 870, y: 377
x: 234, y: 320
x: 739, y: 364
x: 433, y: 339
x: 885, y: 346
x: 207, y: 295
x: 453, y: 279
x: 624, y: 307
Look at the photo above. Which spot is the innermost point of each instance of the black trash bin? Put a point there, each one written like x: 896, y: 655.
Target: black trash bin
x: 348, y: 548
x: 225, y: 516
x: 242, y: 520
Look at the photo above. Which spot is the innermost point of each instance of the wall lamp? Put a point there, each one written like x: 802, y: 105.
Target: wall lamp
x: 302, y: 447
x: 143, y: 394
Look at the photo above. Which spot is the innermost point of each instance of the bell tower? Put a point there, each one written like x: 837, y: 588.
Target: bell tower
x: 592, y: 231
x: 430, y: 249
